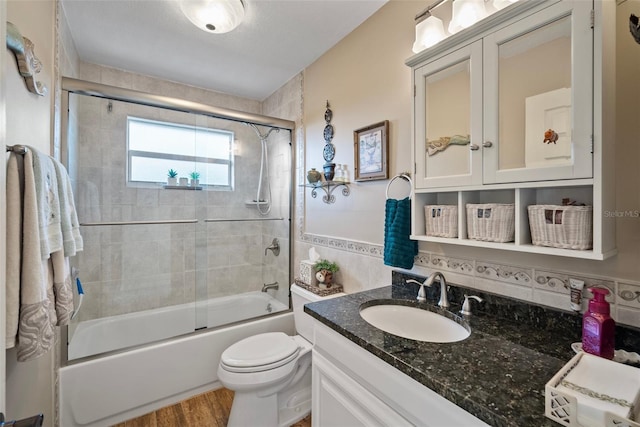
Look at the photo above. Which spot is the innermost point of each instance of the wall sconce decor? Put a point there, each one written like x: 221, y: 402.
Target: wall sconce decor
x: 28, y: 64
x: 464, y: 13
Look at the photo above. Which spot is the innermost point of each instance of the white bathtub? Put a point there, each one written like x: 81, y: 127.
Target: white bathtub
x: 127, y: 330
x: 111, y: 389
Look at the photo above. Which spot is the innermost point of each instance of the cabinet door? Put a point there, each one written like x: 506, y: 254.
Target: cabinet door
x: 538, y: 82
x: 448, y: 119
x: 340, y: 401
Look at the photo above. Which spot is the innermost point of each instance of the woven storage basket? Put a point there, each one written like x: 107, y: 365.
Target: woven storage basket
x: 441, y: 220
x: 491, y: 222
x: 567, y: 227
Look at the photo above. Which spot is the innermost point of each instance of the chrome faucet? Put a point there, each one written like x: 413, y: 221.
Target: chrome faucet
x: 444, y: 301
x: 267, y: 286
x: 275, y: 247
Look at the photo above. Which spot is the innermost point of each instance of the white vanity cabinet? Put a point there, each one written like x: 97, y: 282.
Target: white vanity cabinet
x: 352, y: 387
x: 519, y: 109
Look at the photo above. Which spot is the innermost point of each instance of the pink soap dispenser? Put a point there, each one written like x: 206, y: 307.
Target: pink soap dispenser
x: 598, y: 328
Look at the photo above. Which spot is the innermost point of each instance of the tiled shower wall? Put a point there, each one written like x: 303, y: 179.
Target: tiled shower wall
x: 136, y: 267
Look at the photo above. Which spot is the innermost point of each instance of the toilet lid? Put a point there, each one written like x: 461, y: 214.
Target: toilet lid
x: 260, y: 353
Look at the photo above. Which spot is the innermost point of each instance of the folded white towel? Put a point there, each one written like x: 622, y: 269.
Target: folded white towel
x: 48, y: 203
x: 601, y: 385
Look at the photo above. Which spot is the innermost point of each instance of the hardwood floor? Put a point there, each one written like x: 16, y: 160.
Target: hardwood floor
x: 205, y: 410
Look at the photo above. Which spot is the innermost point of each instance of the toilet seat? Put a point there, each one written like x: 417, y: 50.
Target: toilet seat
x: 260, y: 352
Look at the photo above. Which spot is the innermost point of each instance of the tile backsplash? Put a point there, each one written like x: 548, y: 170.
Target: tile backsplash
x: 362, y: 268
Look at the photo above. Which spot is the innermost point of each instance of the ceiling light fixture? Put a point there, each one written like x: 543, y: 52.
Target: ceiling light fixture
x: 429, y: 29
x: 466, y: 13
x: 214, y: 16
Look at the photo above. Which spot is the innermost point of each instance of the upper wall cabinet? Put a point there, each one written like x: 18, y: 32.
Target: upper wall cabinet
x: 538, y: 97
x: 515, y: 111
x: 515, y: 105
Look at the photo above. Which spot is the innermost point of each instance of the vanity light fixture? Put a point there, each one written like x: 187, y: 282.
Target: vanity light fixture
x: 429, y: 29
x: 214, y: 16
x: 465, y: 13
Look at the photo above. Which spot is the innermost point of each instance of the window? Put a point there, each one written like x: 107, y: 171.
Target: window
x: 154, y: 147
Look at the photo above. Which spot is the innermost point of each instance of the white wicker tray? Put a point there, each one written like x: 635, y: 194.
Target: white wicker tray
x: 563, y: 408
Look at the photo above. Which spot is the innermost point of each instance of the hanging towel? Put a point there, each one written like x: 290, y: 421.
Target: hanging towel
x: 27, y: 272
x: 399, y: 249
x: 14, y: 246
x: 71, y: 238
x: 46, y: 185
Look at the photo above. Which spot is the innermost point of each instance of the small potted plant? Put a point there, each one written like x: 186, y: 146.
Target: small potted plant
x: 325, y: 270
x: 195, y: 178
x: 172, y: 177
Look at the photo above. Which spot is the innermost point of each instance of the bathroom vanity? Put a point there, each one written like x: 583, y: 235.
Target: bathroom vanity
x: 496, y: 376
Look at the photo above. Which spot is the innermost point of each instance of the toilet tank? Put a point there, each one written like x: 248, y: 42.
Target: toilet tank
x: 304, y: 322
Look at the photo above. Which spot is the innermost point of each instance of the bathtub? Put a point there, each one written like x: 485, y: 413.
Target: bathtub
x: 127, y: 330
x: 108, y: 390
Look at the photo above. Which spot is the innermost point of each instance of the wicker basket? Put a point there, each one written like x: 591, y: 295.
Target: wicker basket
x: 441, y: 220
x: 567, y: 227
x: 491, y: 222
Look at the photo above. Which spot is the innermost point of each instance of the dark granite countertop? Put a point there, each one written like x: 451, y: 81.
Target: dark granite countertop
x: 498, y: 374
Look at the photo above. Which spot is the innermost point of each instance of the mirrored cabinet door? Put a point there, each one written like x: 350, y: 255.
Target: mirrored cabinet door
x: 448, y: 109
x: 538, y: 97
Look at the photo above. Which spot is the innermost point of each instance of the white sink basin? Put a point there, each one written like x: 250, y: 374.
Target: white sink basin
x: 414, y: 323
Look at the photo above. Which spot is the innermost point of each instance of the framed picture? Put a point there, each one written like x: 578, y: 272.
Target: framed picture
x: 371, y: 151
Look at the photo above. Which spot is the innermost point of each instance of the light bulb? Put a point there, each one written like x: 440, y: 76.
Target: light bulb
x: 466, y: 13
x: 428, y: 33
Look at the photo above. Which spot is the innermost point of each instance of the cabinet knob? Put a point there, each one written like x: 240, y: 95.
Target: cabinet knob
x: 487, y: 144
x: 474, y: 147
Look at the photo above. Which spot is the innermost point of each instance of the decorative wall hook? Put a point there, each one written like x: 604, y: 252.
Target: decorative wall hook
x: 28, y: 63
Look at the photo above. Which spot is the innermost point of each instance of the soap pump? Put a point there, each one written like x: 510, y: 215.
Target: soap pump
x: 598, y: 328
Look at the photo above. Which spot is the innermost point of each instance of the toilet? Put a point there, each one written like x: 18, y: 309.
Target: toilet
x: 270, y: 373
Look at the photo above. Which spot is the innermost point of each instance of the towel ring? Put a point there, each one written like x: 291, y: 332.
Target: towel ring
x: 404, y: 176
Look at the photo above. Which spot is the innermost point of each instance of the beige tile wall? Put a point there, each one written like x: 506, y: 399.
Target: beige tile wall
x: 137, y: 267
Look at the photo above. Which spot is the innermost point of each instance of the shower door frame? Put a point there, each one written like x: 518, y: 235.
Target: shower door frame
x: 81, y: 87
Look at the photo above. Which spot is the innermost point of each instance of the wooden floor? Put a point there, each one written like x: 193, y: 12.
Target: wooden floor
x: 205, y: 410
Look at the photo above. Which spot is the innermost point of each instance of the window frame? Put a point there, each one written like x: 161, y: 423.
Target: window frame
x: 179, y: 157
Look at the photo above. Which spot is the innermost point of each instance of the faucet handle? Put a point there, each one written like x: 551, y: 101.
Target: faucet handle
x: 422, y: 296
x: 466, y: 306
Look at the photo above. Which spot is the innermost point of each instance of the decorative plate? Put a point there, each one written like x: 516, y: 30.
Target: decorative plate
x: 328, y: 133
x: 328, y: 115
x: 328, y: 152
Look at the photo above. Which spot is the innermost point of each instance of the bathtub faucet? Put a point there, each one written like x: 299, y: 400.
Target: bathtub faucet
x: 275, y: 247
x: 268, y: 286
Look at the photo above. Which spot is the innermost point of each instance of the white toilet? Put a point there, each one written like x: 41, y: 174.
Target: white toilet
x: 270, y: 373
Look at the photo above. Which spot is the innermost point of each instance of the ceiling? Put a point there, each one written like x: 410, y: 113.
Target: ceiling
x: 276, y: 40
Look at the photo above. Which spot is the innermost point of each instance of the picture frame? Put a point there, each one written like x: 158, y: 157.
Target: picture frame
x: 371, y: 152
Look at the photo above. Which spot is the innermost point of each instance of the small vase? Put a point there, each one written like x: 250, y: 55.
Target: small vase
x: 195, y: 182
x: 329, y: 171
x: 313, y: 176
x: 172, y: 181
x: 184, y: 182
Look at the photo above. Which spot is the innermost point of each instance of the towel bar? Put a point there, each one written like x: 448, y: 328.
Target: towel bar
x: 406, y: 177
x: 18, y: 149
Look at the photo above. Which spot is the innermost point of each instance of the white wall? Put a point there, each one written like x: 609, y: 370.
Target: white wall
x: 28, y: 118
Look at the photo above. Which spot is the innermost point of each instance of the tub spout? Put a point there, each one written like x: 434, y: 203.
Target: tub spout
x: 268, y: 286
